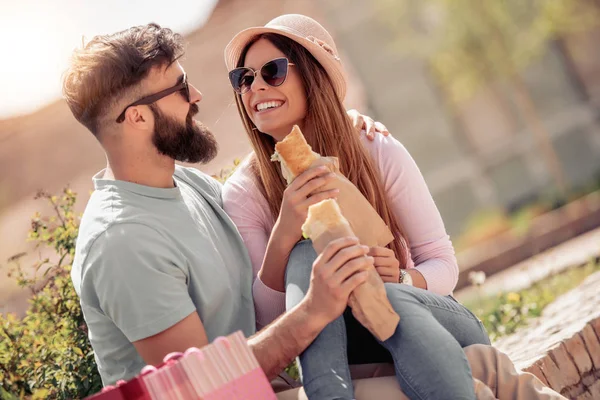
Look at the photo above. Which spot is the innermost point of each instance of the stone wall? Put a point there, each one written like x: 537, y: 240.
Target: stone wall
x: 562, y: 347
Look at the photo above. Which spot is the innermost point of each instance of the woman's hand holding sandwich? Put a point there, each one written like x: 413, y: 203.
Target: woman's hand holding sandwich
x: 388, y: 267
x: 386, y: 264
x: 307, y: 189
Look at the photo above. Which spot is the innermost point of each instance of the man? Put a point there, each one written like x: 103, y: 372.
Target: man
x: 159, y: 267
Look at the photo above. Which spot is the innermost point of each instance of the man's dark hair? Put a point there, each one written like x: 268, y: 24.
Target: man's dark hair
x: 107, y: 71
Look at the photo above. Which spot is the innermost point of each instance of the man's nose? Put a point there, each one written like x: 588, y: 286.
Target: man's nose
x: 195, y: 94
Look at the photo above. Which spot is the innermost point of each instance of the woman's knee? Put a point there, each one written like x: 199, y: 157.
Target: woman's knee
x: 298, y: 272
x: 300, y: 261
x: 303, y: 251
x: 399, y: 291
x: 402, y: 297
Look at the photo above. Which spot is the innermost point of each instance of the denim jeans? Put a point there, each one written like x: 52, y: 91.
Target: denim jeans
x: 426, y: 347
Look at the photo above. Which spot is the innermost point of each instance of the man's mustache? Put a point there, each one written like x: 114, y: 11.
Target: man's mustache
x: 194, y: 109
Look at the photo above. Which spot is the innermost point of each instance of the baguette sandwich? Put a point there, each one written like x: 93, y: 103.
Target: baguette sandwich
x: 294, y: 154
x: 369, y: 302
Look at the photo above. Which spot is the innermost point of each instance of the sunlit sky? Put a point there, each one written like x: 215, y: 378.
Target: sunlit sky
x: 37, y: 37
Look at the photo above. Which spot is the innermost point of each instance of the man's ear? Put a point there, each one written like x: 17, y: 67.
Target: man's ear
x: 139, y: 117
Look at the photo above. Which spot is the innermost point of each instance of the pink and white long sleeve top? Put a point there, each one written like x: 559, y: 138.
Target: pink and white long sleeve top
x: 431, y: 251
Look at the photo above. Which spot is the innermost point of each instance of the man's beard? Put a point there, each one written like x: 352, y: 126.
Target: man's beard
x: 190, y: 143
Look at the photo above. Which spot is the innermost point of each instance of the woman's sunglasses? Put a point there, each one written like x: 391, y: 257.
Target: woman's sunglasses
x: 274, y: 73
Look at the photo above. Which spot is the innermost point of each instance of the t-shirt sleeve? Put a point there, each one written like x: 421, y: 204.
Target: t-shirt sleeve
x: 138, y: 279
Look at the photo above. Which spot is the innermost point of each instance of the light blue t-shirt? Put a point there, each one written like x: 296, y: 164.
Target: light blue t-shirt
x: 148, y: 257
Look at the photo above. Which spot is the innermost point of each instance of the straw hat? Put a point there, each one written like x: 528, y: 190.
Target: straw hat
x: 304, y: 30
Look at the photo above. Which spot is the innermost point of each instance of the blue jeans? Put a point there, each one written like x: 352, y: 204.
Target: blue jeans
x: 426, y: 347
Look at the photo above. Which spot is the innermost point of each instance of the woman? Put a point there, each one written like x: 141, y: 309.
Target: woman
x: 288, y: 73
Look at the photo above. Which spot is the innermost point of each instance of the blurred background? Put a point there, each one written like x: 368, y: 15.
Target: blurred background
x: 497, y: 101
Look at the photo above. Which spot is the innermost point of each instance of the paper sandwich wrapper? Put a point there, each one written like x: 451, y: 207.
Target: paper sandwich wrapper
x: 369, y: 302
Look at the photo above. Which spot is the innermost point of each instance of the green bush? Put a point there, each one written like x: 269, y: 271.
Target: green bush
x: 47, y: 353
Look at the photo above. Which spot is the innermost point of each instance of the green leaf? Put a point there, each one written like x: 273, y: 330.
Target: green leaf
x: 40, y: 394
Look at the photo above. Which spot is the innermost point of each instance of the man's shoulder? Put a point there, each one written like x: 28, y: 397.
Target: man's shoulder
x: 104, y: 249
x: 105, y: 209
x: 199, y: 180
x: 108, y: 224
x: 116, y: 236
x: 100, y: 213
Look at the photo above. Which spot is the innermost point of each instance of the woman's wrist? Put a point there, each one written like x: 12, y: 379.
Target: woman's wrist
x: 418, y: 280
x: 284, y: 239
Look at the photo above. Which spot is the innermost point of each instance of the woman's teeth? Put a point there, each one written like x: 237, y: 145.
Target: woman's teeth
x: 267, y: 105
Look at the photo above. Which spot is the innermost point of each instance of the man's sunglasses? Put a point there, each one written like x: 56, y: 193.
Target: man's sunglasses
x: 179, y: 87
x: 274, y: 73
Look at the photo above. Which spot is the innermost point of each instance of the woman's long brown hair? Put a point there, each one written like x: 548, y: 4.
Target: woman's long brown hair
x: 328, y: 131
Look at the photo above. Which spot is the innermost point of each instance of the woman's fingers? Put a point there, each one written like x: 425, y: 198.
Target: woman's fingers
x: 307, y: 175
x: 384, y: 261
x: 377, y: 251
x: 320, y: 196
x: 315, y: 185
x: 388, y: 274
